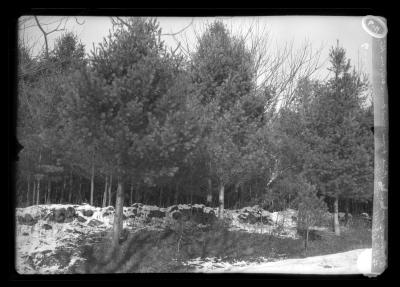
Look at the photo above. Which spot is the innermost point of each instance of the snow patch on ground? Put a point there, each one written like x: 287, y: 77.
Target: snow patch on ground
x: 351, y: 262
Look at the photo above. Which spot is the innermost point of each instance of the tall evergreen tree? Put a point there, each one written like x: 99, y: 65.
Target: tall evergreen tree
x: 338, y: 159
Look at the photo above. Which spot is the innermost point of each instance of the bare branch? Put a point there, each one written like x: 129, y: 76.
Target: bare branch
x: 180, y: 31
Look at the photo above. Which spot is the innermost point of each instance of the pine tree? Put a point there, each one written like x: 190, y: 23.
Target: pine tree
x: 338, y: 160
x: 311, y: 208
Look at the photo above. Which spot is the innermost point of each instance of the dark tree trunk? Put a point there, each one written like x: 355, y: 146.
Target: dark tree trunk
x: 38, y: 193
x: 209, y: 194
x: 137, y: 194
x: 92, y: 185
x: 131, y: 197
x: 336, y: 225
x: 105, y: 192
x: 64, y: 187
x: 28, y: 191
x: 80, y: 190
x: 160, y: 197
x: 119, y: 205
x: 34, y: 192
x: 176, y: 194
x: 70, y: 188
x: 221, y: 201
x: 306, y: 241
x: 347, y: 207
x: 48, y: 192
x: 109, y: 190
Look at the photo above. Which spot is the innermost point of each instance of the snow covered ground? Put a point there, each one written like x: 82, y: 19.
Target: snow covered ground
x: 46, y: 245
x: 351, y: 262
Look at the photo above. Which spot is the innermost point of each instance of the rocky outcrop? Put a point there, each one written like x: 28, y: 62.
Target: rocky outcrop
x: 253, y: 215
x: 59, y: 215
x: 87, y: 212
x: 81, y: 219
x: 47, y: 226
x: 197, y: 213
x: 27, y: 219
x: 156, y: 213
x: 95, y: 223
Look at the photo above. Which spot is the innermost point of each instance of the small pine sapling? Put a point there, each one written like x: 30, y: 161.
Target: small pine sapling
x: 310, y: 209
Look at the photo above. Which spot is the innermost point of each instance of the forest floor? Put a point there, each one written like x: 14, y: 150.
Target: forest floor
x: 60, y: 239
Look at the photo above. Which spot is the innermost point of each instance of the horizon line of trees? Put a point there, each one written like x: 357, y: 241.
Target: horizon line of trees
x: 136, y: 122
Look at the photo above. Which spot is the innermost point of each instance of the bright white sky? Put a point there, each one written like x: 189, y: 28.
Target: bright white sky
x: 319, y: 30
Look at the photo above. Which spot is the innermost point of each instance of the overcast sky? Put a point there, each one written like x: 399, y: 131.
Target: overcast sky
x: 319, y: 30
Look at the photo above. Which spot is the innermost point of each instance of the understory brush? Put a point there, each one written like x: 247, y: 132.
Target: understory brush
x: 168, y: 249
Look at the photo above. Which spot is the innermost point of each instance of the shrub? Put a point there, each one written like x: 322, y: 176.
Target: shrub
x: 311, y: 209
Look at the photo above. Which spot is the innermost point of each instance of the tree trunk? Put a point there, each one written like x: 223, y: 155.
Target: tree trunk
x: 306, y: 241
x: 236, y: 197
x: 38, y: 192
x: 63, y: 189
x: 336, y: 225
x: 48, y: 192
x: 160, y: 197
x: 131, y: 197
x: 221, y: 201
x: 118, y: 217
x: 347, y: 207
x: 92, y: 185
x: 34, y: 192
x: 80, y: 190
x: 209, y: 195
x: 70, y: 188
x: 250, y: 191
x: 137, y: 194
x: 27, y: 192
x: 176, y: 194
x: 105, y: 192
x: 109, y: 190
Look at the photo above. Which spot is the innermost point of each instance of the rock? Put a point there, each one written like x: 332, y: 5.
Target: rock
x: 59, y: 215
x: 172, y: 208
x: 366, y: 216
x: 70, y: 212
x: 20, y: 219
x: 95, y: 223
x: 156, y: 213
x: 254, y: 215
x: 137, y: 205
x: 29, y: 220
x: 249, y: 218
x: 196, y: 213
x: 47, y: 226
x: 87, y: 212
x: 176, y: 215
x: 106, y: 213
x: 199, y: 215
x: 68, y: 219
x: 81, y: 219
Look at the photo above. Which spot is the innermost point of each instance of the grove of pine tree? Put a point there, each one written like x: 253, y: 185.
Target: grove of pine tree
x: 133, y: 121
